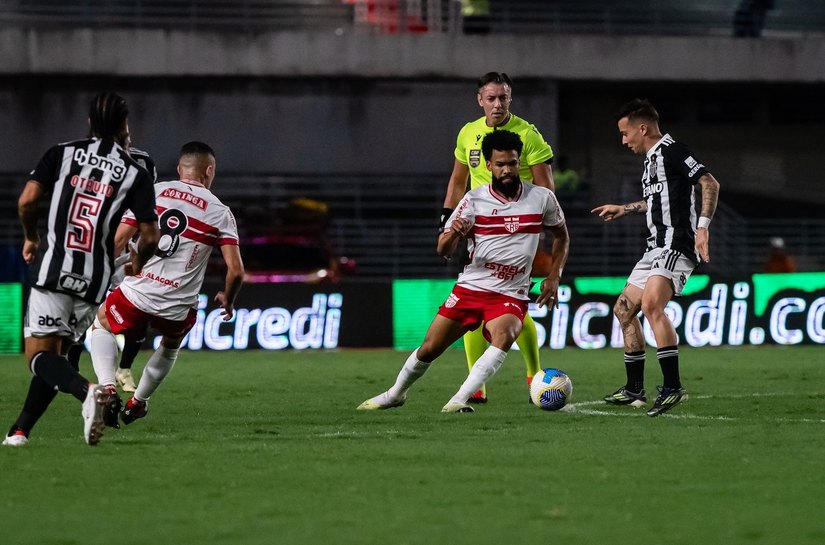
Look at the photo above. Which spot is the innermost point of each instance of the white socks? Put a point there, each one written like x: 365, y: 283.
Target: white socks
x: 104, y: 355
x: 155, y: 371
x: 484, y: 368
x: 413, y: 370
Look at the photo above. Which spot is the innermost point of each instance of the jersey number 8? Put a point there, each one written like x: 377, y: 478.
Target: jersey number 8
x: 172, y: 224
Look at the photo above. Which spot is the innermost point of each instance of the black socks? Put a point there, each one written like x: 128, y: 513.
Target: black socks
x: 57, y: 372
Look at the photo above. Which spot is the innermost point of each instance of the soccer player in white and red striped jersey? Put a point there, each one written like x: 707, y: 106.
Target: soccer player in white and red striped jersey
x: 165, y: 294
x: 503, y: 223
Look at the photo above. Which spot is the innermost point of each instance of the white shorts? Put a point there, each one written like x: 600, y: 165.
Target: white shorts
x: 662, y: 262
x: 59, y: 314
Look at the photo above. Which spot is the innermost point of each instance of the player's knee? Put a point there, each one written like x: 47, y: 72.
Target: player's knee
x: 623, y: 311
x: 504, y: 337
x: 652, y: 309
x: 427, y: 352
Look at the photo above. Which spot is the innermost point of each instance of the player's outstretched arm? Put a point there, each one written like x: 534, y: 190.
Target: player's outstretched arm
x: 234, y: 280
x: 610, y: 212
x: 558, y: 258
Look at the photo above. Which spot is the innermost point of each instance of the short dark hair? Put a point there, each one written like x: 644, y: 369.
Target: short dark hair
x: 638, y: 108
x: 494, y: 77
x: 501, y: 141
x: 196, y: 148
x: 107, y: 114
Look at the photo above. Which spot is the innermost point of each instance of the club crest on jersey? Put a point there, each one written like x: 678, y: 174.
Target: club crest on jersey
x: 451, y: 301
x: 475, y: 157
x: 72, y: 283
x: 652, y: 168
x: 511, y: 224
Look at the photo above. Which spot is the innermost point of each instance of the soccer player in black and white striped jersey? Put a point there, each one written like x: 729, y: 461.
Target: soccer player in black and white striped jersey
x: 88, y: 184
x: 676, y: 243
x: 130, y: 345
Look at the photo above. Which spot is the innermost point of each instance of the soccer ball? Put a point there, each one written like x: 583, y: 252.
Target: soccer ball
x: 551, y: 389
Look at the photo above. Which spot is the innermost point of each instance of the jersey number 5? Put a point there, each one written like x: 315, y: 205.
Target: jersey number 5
x: 81, y: 233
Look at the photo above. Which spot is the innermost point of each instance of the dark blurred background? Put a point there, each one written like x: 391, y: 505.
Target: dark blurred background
x: 335, y: 121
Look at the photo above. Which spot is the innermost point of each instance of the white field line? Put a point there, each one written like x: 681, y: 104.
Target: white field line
x: 354, y: 433
x: 581, y: 408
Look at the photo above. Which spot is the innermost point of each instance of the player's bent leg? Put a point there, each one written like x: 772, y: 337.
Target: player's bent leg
x: 657, y: 293
x: 486, y: 366
x: 160, y: 364
x: 626, y: 310
x: 503, y: 332
x: 74, y: 352
x: 104, y: 354
x: 412, y: 370
x: 56, y: 371
x: 474, y: 346
x: 528, y: 344
x: 131, y: 347
x: 441, y: 334
x: 38, y: 399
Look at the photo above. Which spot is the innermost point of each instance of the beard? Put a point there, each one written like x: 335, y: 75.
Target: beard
x: 507, y: 186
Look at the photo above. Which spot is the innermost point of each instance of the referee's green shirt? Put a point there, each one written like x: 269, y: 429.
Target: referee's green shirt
x: 468, y: 148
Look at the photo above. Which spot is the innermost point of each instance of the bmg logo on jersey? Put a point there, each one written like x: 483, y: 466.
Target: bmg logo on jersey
x: 113, y: 165
x: 74, y: 284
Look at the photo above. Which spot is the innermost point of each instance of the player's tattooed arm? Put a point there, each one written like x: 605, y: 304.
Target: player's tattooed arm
x: 610, y: 212
x: 710, y: 195
x: 710, y: 198
x: 638, y: 207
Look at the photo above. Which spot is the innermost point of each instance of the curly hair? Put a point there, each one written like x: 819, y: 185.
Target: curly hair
x: 107, y: 114
x: 501, y: 141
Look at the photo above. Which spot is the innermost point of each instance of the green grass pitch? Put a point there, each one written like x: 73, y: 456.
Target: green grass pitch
x: 257, y: 447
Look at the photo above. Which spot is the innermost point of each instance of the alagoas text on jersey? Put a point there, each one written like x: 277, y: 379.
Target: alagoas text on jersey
x: 192, y: 220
